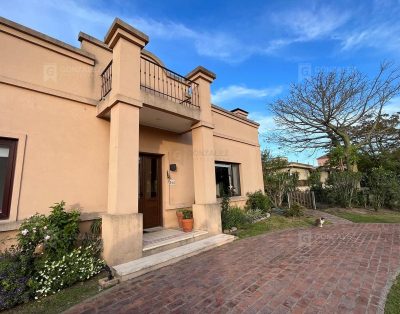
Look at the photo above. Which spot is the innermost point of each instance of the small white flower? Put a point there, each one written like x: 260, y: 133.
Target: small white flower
x: 45, y: 227
x: 24, y: 232
x: 47, y: 237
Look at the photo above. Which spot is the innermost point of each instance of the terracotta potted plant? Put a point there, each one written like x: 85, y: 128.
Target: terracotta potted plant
x: 179, y: 215
x: 187, y: 221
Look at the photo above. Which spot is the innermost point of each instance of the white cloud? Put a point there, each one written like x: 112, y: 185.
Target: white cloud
x: 267, y: 123
x: 314, y: 23
x: 305, y: 25
x: 235, y: 91
x: 377, y: 35
x: 392, y: 106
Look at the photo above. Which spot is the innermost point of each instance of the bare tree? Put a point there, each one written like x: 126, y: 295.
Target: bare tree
x: 322, y: 111
x: 385, y: 138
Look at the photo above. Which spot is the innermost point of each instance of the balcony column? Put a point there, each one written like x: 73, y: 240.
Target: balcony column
x: 122, y: 227
x: 206, y: 211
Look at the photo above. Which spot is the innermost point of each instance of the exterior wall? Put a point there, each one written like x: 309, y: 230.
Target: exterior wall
x: 66, y: 152
x: 45, y: 67
x: 239, y: 147
x: 324, y: 176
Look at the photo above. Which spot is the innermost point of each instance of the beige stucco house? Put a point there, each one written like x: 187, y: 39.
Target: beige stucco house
x: 109, y: 129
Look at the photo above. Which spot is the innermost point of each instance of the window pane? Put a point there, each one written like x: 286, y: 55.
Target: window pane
x: 4, y: 152
x: 235, y: 179
x: 222, y: 180
x: 8, y: 148
x: 150, y: 177
x: 4, y: 164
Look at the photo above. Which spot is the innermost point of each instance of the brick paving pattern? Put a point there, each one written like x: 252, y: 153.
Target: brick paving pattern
x: 335, y: 269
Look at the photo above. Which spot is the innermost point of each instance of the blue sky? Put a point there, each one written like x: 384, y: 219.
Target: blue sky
x: 256, y: 48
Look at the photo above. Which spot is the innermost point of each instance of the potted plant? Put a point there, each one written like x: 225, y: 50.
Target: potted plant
x: 187, y: 221
x: 179, y: 215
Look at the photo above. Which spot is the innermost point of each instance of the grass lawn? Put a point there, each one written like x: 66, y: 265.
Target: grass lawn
x: 392, y: 305
x: 275, y: 222
x: 63, y: 300
x: 366, y: 215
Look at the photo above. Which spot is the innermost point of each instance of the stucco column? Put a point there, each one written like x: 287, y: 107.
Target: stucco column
x: 206, y: 211
x: 122, y: 228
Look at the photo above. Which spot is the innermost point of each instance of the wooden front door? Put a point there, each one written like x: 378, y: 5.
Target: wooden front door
x: 150, y: 190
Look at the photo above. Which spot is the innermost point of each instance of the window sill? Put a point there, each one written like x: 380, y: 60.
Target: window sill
x: 233, y: 199
x: 7, y: 225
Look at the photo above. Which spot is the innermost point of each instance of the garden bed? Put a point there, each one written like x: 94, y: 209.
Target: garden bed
x: 63, y: 300
x: 50, y: 256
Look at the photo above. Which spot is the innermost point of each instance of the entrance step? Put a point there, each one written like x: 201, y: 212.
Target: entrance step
x: 149, y: 263
x: 167, y: 239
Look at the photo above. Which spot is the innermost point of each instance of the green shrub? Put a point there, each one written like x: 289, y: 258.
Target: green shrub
x: 56, y: 274
x: 15, y: 273
x: 384, y: 187
x: 343, y: 186
x: 295, y: 210
x: 253, y: 215
x: 315, y: 180
x: 95, y: 227
x: 278, y: 184
x: 258, y: 200
x: 57, y: 232
x: 33, y: 231
x: 66, y: 228
x: 224, y: 211
x: 27, y: 272
x: 235, y: 217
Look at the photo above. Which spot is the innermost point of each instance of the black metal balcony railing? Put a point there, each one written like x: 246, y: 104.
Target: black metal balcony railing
x: 106, y: 80
x: 160, y: 81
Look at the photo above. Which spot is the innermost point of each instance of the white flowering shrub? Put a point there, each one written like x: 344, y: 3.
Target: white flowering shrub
x: 46, y: 258
x: 32, y: 232
x: 57, y: 233
x: 78, y: 265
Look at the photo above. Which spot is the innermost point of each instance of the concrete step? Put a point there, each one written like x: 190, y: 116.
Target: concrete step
x: 149, y: 263
x: 168, y: 243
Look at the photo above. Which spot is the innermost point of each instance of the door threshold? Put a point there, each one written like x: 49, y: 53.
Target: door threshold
x: 154, y: 229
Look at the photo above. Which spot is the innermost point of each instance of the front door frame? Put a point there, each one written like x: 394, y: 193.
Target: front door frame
x: 159, y: 174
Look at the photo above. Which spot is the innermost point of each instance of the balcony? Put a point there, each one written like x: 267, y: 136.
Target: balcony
x: 170, y: 101
x: 160, y: 81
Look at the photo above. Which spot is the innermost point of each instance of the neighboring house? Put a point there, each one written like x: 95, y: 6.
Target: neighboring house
x: 303, y: 171
x: 108, y: 129
x: 323, y: 167
x: 323, y: 160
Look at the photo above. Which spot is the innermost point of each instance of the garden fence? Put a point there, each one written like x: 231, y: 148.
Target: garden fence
x: 304, y: 198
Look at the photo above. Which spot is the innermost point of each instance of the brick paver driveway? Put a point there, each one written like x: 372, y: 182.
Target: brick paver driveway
x: 336, y: 269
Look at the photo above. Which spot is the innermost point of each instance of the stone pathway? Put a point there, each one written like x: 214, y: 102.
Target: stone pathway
x: 331, y: 218
x: 343, y: 268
